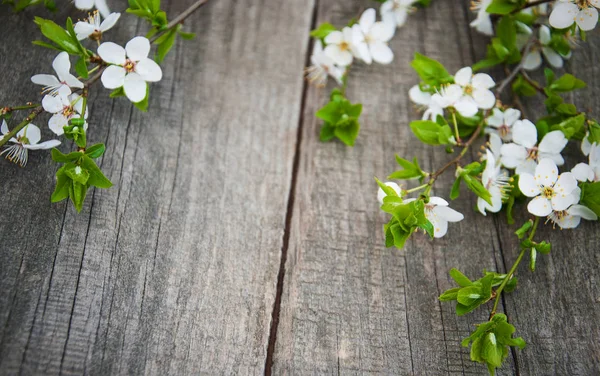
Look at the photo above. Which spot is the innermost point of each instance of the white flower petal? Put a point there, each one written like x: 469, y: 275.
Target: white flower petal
x: 113, y: 77
x: 563, y: 15
x: 4, y: 127
x: 57, y: 122
x: 84, y: 4
x: 511, y: 116
x: 566, y: 184
x: 546, y: 173
x: 528, y: 185
x: 583, y: 212
x: 566, y: 221
x: 112, y: 53
x: 438, y: 201
x: 45, y: 80
x: 110, y: 21
x: 335, y: 37
x: 138, y: 48
x: 533, y: 60
x: 545, y: 35
x: 463, y: 76
x: 419, y: 97
x: 496, y: 119
x: 84, y: 30
x: 540, y: 206
x: 135, y: 87
x: 525, y: 133
x: 466, y: 106
x: 440, y: 227
x: 553, y: 142
x: 32, y: 132
x: 528, y: 166
x: 381, y: 52
x: 513, y: 155
x: 367, y: 19
x: 562, y: 202
x: 102, y: 8
x: 383, y: 31
x: 339, y: 56
x: 484, y: 98
x: 448, y: 214
x: 583, y: 172
x: 149, y: 70
x: 553, y: 57
x: 483, y: 81
x: 43, y: 145
x: 587, y: 18
x: 52, y: 104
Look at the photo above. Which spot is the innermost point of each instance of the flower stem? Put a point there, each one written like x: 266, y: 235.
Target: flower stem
x: 28, y: 106
x: 21, y: 125
x: 456, y: 128
x: 415, y: 189
x: 498, y: 291
x: 179, y: 19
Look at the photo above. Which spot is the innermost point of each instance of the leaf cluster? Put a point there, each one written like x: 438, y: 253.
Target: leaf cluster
x: 471, y: 294
x: 341, y: 119
x: 491, y: 340
x: 78, y: 174
x: 470, y: 176
x: 410, y: 170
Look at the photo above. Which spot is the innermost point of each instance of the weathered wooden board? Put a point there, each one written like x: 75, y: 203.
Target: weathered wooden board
x: 351, y: 306
x: 173, y: 271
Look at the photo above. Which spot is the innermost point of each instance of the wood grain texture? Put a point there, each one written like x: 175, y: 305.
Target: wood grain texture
x: 172, y: 271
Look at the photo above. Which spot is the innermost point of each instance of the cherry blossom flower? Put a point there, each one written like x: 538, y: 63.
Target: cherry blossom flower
x: 483, y: 22
x: 582, y: 12
x: 522, y: 154
x: 571, y: 217
x: 424, y: 100
x: 591, y: 171
x: 469, y: 93
x: 131, y: 68
x: 26, y: 139
x: 89, y: 4
x: 396, y: 11
x: 64, y: 82
x: 533, y: 60
x: 501, y: 123
x: 551, y: 191
x: 94, y: 26
x: 586, y: 145
x: 381, y: 194
x: 64, y: 109
x: 372, y: 41
x: 340, y: 46
x: 495, y: 180
x: 439, y: 214
x: 495, y: 146
x: 322, y: 66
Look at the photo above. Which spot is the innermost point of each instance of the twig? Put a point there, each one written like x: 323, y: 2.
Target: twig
x: 534, y: 84
x: 179, y: 19
x: 531, y: 4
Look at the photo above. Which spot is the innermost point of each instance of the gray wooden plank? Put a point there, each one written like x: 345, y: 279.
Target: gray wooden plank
x: 349, y: 304
x: 172, y: 271
x: 555, y: 308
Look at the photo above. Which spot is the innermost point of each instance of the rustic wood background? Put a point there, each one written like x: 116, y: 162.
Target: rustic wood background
x: 234, y: 242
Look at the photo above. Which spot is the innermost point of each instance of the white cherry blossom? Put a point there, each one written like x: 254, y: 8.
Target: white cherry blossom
x: 425, y: 101
x: 396, y: 11
x: 551, y: 191
x: 322, y: 66
x: 469, y: 93
x: 371, y: 38
x: 439, y: 214
x: 483, y: 22
x: 586, y: 145
x: 131, y: 68
x: 582, y: 12
x: 64, y: 82
x: 93, y: 27
x: 340, y: 46
x: 495, y: 180
x: 533, y: 60
x: 591, y: 171
x: 501, y: 122
x: 26, y: 139
x: 571, y: 217
x: 381, y: 194
x: 63, y: 108
x: 90, y: 4
x: 523, y: 153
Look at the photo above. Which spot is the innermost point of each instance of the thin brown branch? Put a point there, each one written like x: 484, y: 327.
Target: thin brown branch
x: 179, y: 19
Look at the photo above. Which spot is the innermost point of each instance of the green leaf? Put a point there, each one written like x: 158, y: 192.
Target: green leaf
x: 118, y: 92
x: 502, y: 7
x: 96, y: 177
x: 57, y: 35
x: 523, y: 88
x: 492, y: 350
x: 165, y: 45
x: 476, y: 187
x: 59, y: 157
x: 523, y: 230
x: 77, y: 192
x: 507, y: 32
x: 348, y: 133
x: 411, y: 170
x: 571, y: 127
x: 322, y: 31
x: 432, y: 133
x: 470, y: 295
x: 187, y: 36
x: 460, y: 278
x: 431, y: 71
x: 389, y: 191
x: 46, y: 45
x: 78, y: 174
x: 95, y: 151
x: 455, y: 191
x: 327, y: 132
x: 532, y: 258
x: 565, y: 83
x: 81, y: 68
x: 449, y: 295
x: 63, y: 183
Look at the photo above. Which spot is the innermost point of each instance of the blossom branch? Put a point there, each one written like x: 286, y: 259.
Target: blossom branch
x: 179, y: 19
x: 531, y: 4
x: 21, y: 125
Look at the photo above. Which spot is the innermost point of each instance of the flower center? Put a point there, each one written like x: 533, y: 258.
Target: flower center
x: 129, y: 66
x: 548, y: 192
x: 23, y: 140
x: 583, y: 4
x: 96, y: 35
x: 469, y: 90
x: 532, y: 153
x: 68, y: 111
x: 344, y: 46
x: 503, y: 130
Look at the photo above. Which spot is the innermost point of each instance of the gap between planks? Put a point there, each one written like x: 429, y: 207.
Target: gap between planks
x: 290, y: 208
